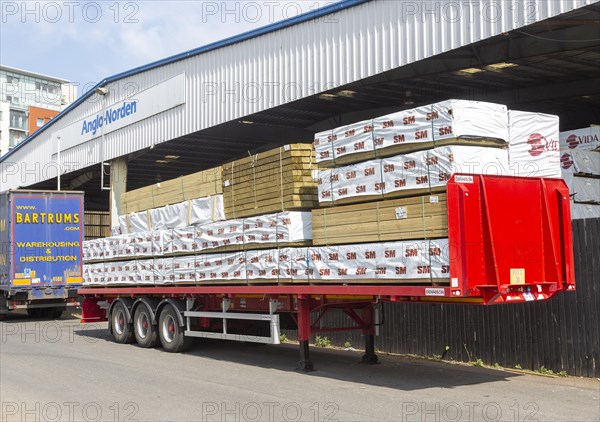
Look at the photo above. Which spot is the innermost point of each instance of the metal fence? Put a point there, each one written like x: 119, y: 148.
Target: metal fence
x: 562, y: 334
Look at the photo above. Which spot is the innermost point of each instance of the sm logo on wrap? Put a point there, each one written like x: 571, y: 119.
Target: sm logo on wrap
x: 566, y: 161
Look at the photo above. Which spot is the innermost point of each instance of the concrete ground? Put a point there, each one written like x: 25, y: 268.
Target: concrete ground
x: 63, y: 370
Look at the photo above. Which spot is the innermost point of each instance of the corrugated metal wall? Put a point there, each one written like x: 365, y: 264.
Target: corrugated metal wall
x: 298, y: 61
x: 562, y: 334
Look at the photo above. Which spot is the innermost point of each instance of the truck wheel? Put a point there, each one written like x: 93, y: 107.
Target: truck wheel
x: 122, y: 331
x: 171, y: 334
x: 146, y: 334
x: 53, y: 313
x: 34, y: 312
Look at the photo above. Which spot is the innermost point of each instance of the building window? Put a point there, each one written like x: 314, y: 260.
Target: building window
x: 18, y: 120
x: 40, y: 122
x: 14, y: 137
x: 12, y: 79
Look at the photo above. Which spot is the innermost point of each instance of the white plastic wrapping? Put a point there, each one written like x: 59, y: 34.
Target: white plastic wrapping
x: 221, y: 267
x: 404, y: 127
x: 325, y: 185
x: 585, y: 139
x: 443, y: 162
x: 184, y: 269
x: 146, y: 272
x: 468, y: 119
x: 580, y: 162
x: 262, y: 264
x: 170, y: 217
x: 411, y: 260
x: 584, y: 211
x: 284, y: 227
x: 184, y: 240
x: 422, y: 125
x: 206, y: 210
x: 323, y: 144
x: 122, y: 228
x: 354, y: 138
x: 406, y: 171
x: 358, y: 180
x: 139, y: 222
x: 585, y: 190
x: 534, y: 144
x: 417, y: 170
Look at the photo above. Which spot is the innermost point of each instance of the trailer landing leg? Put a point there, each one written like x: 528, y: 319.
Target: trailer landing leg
x: 369, y: 332
x: 370, y: 357
x: 305, y: 363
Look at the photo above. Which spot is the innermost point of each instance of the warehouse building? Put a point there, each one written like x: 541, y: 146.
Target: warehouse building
x: 280, y: 84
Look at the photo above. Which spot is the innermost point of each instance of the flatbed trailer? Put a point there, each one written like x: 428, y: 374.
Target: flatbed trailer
x: 509, y: 240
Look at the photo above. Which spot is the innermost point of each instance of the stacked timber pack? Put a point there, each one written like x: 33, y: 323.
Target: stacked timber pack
x: 580, y: 164
x: 273, y: 181
x: 366, y: 205
x: 197, y: 185
x: 384, y: 179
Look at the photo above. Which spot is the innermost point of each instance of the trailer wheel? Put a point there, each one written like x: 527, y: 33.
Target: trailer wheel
x: 146, y: 334
x: 171, y: 334
x: 122, y: 331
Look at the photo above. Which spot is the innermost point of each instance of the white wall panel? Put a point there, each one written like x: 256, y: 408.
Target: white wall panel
x: 318, y: 54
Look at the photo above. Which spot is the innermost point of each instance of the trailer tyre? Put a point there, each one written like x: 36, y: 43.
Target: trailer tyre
x: 122, y: 330
x: 146, y: 334
x: 171, y: 334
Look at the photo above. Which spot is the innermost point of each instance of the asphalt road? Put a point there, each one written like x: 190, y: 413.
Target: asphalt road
x: 62, y: 370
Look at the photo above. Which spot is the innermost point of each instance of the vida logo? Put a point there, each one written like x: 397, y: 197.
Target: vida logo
x: 566, y: 161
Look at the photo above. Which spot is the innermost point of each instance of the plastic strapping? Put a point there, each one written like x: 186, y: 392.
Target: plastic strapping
x: 432, y: 126
x: 373, y: 138
x: 430, y: 266
x: 232, y: 184
x: 325, y: 225
x: 253, y: 164
x: 378, y: 223
x: 281, y: 178
x: 427, y: 163
x: 215, y: 181
x: 423, y: 217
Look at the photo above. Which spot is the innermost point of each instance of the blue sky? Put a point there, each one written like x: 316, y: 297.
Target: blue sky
x: 86, y: 41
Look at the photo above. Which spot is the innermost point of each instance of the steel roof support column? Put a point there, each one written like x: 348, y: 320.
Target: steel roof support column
x: 118, y: 186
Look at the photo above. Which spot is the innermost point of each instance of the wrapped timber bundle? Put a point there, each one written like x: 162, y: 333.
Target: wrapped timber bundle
x: 415, y: 262
x: 277, y: 180
x: 450, y: 122
x: 533, y: 144
x: 418, y: 173
x: 580, y: 168
x: 292, y: 228
x: 183, y: 214
x: 196, y: 185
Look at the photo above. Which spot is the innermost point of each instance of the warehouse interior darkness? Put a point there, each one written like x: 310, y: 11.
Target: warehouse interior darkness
x: 551, y: 66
